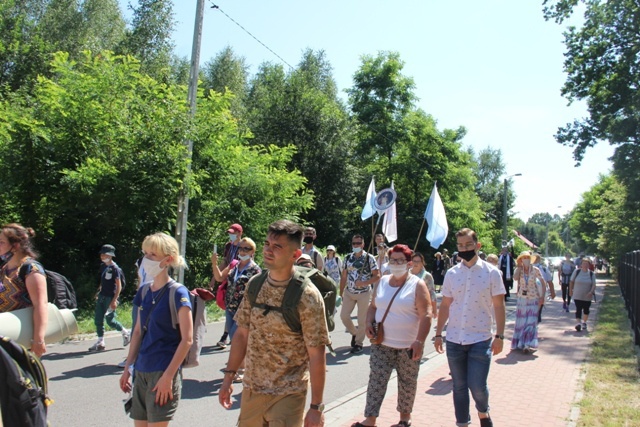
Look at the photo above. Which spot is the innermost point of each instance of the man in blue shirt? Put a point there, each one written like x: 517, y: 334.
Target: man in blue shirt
x: 111, y: 279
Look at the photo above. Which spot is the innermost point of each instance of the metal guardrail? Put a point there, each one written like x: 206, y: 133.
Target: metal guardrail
x: 629, y: 280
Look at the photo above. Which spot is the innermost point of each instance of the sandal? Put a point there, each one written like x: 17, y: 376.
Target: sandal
x: 402, y: 423
x: 360, y: 425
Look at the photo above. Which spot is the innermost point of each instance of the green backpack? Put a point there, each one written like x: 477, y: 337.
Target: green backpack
x: 293, y: 293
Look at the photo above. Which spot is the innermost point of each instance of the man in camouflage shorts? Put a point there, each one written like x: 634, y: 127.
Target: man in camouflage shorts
x: 279, y: 363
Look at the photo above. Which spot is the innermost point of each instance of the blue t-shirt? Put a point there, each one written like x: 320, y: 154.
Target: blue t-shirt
x: 161, y: 340
x: 108, y: 275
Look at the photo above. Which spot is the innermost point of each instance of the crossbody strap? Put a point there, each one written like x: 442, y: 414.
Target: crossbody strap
x: 153, y: 306
x: 391, y: 302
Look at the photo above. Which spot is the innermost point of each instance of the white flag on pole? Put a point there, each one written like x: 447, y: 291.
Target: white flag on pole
x: 390, y: 225
x: 437, y: 220
x: 368, y: 210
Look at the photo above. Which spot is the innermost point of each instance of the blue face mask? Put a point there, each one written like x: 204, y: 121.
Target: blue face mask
x: 357, y: 249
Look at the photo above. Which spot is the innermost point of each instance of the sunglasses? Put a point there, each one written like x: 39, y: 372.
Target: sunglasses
x: 245, y: 248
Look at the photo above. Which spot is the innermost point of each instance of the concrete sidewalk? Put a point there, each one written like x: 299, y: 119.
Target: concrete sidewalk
x: 538, y: 389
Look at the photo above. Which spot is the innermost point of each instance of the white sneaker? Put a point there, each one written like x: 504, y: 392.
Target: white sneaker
x: 126, y: 338
x: 99, y: 346
x: 584, y: 326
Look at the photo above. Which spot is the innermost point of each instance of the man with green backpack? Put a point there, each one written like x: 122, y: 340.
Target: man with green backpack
x: 280, y: 363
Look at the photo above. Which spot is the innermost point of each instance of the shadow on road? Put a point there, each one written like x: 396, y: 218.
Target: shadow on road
x: 93, y: 371
x: 440, y: 387
x: 343, y: 355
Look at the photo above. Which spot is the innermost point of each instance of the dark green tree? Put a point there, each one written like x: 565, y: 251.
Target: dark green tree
x: 380, y: 98
x: 149, y: 38
x: 300, y: 108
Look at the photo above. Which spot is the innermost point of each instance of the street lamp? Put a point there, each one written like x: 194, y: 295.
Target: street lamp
x: 504, y: 207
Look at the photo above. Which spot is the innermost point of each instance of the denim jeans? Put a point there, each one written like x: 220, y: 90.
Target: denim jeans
x: 230, y: 325
x: 469, y: 365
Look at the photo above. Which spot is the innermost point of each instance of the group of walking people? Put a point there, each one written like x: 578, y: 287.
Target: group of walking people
x: 276, y: 364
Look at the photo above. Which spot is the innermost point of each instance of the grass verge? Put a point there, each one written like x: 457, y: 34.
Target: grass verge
x: 612, y: 385
x: 86, y: 324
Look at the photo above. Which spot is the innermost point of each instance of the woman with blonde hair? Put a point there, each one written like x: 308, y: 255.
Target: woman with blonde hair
x: 157, y: 347
x: 22, y: 280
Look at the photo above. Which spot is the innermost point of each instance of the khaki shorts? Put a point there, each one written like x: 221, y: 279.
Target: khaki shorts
x: 271, y: 411
x: 144, y: 406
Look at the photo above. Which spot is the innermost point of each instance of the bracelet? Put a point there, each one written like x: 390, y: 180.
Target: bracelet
x: 438, y: 336
x: 420, y: 342
x: 229, y: 371
x: 38, y: 342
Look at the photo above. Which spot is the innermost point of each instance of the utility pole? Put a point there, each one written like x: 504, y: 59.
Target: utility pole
x: 183, y: 197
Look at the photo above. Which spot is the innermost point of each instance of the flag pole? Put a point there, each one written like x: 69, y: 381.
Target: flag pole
x: 419, y: 234
x: 373, y: 231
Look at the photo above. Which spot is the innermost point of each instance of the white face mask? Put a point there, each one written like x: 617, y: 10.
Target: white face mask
x: 357, y: 249
x: 398, y: 270
x: 244, y: 257
x: 232, y: 237
x: 526, y: 262
x: 151, y: 268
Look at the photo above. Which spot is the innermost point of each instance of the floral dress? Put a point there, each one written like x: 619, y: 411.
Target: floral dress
x: 525, y: 335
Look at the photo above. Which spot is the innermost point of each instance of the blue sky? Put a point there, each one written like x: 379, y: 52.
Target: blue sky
x: 493, y: 66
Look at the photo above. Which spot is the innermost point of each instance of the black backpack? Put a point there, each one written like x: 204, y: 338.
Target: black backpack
x: 293, y: 293
x: 59, y: 289
x: 23, y: 386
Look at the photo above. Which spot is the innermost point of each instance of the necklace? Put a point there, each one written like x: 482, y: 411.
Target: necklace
x: 156, y: 295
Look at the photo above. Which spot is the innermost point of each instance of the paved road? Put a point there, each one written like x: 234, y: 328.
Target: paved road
x: 85, y: 385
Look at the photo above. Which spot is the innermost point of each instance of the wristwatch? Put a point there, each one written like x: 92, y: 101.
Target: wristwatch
x: 501, y: 337
x: 319, y: 407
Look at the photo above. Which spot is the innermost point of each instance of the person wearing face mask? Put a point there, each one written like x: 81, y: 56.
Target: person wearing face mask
x: 418, y: 269
x: 158, y: 347
x: 359, y: 273
x: 229, y: 254
x: 108, y: 293
x: 472, y: 297
x: 231, y: 247
x: 529, y: 300
x: 237, y: 278
x: 308, y: 248
x: 402, y: 304
x: 23, y: 290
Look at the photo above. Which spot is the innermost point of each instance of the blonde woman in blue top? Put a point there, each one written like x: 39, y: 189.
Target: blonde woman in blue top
x: 158, y: 348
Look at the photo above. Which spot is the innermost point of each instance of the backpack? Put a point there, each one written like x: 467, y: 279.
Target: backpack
x: 60, y: 291
x: 293, y: 293
x: 198, y: 298
x: 23, y: 389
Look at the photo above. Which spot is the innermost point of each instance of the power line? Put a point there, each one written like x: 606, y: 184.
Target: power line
x: 215, y: 6
x: 368, y: 125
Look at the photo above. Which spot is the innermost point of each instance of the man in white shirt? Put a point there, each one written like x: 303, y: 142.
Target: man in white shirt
x: 472, y: 291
